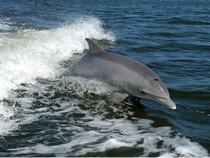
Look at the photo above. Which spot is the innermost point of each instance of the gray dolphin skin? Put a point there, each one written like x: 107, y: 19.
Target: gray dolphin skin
x: 129, y: 76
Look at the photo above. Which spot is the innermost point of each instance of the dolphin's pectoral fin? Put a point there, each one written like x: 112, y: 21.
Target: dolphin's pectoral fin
x: 118, y: 97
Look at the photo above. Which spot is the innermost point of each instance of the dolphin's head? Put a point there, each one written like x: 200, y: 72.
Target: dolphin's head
x: 154, y: 89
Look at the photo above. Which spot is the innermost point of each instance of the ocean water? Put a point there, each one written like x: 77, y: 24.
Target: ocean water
x: 43, y: 115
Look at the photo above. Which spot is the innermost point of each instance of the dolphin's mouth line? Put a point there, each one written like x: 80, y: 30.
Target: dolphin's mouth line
x: 155, y: 96
x: 168, y: 102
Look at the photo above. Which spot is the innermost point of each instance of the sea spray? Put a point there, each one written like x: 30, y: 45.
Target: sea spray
x: 30, y: 54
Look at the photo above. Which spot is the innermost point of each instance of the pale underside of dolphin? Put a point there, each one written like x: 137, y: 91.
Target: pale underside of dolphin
x: 129, y: 76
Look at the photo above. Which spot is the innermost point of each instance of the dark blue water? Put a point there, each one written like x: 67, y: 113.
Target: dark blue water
x: 43, y: 116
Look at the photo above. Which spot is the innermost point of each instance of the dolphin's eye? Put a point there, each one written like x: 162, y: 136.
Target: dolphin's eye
x: 156, y: 79
x: 143, y: 92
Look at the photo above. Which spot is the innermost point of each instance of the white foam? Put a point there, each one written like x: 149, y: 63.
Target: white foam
x: 113, y: 143
x: 6, y: 122
x: 4, y: 24
x: 31, y: 54
x: 92, y: 133
x: 123, y: 133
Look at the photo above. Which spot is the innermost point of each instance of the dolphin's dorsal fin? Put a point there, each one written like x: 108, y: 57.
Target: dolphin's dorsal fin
x: 94, y: 47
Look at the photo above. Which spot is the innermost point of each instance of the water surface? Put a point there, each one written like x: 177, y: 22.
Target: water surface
x: 41, y: 115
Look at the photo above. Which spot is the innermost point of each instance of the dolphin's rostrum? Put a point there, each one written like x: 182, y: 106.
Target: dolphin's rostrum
x: 129, y: 76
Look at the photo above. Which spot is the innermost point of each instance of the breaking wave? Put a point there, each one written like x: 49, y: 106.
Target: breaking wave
x: 31, y: 54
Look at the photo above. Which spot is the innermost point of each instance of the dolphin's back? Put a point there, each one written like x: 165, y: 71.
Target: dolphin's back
x: 109, y: 64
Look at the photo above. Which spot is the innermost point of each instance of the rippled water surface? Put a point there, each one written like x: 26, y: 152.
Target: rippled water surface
x: 44, y: 115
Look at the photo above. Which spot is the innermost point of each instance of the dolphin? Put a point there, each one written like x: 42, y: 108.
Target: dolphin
x: 128, y: 76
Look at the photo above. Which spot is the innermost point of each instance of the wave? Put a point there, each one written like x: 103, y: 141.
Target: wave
x: 117, y: 136
x: 183, y: 21
x: 82, y: 124
x: 31, y: 54
x: 4, y: 25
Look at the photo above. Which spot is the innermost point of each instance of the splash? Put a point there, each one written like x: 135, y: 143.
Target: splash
x: 4, y: 25
x: 121, y: 134
x: 31, y: 54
